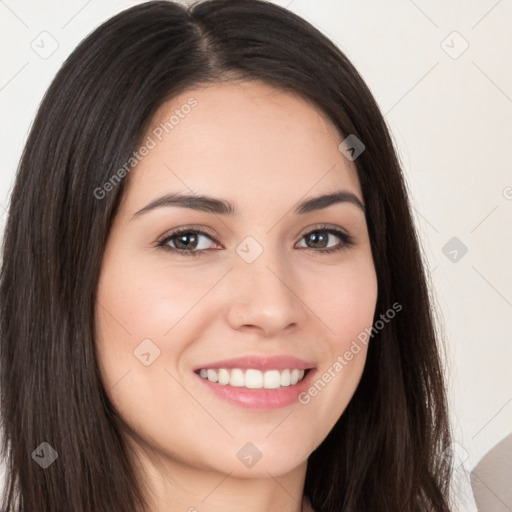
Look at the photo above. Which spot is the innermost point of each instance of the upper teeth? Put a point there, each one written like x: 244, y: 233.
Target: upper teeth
x: 252, y: 378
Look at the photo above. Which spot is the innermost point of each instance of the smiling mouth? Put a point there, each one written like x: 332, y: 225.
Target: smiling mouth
x: 252, y: 378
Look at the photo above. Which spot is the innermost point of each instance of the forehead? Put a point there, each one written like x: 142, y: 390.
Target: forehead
x: 248, y: 141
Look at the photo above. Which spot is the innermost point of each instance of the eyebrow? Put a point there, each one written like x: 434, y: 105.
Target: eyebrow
x: 223, y: 207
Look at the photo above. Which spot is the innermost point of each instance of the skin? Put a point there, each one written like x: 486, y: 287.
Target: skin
x: 264, y: 150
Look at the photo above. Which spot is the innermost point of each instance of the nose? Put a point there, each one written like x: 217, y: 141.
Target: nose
x: 266, y: 296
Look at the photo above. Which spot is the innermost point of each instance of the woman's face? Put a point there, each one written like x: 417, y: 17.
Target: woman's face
x: 263, y: 290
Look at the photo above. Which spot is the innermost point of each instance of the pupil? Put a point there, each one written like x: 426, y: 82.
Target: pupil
x: 316, y: 236
x: 183, y: 237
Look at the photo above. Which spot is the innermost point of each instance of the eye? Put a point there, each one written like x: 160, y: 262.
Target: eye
x: 186, y: 241
x: 320, y: 236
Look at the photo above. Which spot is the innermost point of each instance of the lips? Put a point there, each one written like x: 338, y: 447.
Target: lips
x: 258, y: 382
x: 281, y: 362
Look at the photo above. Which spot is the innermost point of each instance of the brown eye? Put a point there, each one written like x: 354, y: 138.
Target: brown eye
x: 186, y: 241
x: 320, y: 238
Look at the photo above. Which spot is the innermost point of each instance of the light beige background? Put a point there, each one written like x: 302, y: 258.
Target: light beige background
x: 450, y: 111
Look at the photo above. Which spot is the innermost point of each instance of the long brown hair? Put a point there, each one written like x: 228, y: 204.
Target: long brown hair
x: 389, y: 451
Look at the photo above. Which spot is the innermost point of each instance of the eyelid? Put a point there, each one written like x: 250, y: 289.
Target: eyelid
x: 189, y: 227
x: 323, y: 226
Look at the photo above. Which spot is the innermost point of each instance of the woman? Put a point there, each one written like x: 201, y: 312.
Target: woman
x: 291, y: 362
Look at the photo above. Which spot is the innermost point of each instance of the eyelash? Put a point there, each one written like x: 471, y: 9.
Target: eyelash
x: 346, y: 239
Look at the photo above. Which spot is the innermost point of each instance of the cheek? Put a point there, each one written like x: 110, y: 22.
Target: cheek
x: 344, y: 299
x: 136, y: 306
x: 346, y: 308
x: 147, y: 300
x: 137, y: 302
